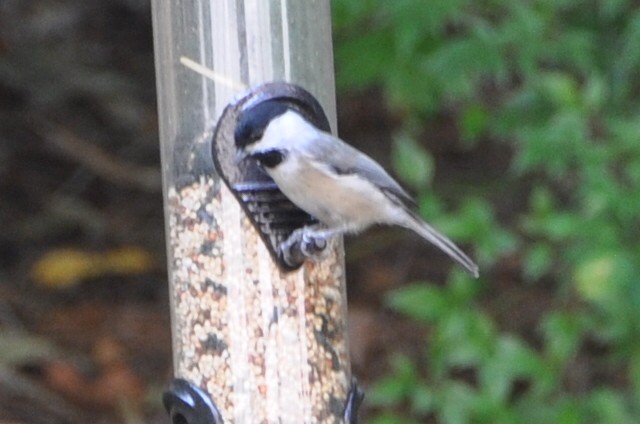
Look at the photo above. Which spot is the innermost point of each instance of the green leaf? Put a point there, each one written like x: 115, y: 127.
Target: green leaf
x: 423, y: 400
x: 562, y: 333
x: 388, y: 418
x: 475, y: 222
x: 464, y: 338
x: 608, y: 406
x: 634, y: 374
x: 538, y: 260
x: 412, y: 162
x: 357, y: 70
x: 595, y: 93
x: 511, y: 360
x: 569, y: 412
x: 346, y: 14
x: 461, y: 62
x: 457, y: 401
x: 560, y: 226
x: 419, y: 301
x: 474, y: 122
x: 397, y: 387
x: 387, y: 391
x: 594, y: 278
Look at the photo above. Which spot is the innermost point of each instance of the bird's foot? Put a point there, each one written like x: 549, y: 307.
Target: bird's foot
x: 313, y: 245
x: 301, y: 245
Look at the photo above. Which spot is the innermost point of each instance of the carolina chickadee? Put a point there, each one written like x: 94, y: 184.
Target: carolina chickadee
x: 343, y: 188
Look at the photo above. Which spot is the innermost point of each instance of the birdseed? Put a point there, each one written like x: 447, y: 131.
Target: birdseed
x: 268, y: 346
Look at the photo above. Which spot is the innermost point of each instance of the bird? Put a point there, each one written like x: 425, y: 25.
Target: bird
x: 340, y: 186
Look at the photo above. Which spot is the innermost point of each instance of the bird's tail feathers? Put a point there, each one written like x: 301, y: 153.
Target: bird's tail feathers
x: 442, y: 242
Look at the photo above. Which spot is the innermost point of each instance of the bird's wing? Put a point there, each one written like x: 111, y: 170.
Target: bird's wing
x: 344, y: 159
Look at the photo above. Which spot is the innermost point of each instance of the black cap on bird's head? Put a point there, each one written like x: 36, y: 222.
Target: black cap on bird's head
x: 253, y: 121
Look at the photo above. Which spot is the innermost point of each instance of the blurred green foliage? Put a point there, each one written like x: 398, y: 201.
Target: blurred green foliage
x: 558, y: 83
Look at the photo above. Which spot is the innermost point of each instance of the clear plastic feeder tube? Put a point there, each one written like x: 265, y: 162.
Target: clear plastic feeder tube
x: 268, y: 346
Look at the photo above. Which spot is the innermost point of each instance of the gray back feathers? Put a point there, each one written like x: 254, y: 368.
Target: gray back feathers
x: 347, y: 160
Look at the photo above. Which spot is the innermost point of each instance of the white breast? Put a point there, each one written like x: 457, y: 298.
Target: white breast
x: 336, y: 200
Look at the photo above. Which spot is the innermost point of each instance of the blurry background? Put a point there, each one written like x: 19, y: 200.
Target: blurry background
x: 515, y: 123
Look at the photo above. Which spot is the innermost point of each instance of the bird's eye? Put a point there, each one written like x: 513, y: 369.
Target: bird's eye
x: 269, y: 158
x: 255, y: 136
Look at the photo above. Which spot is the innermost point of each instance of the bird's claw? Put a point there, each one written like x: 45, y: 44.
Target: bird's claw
x: 312, y: 245
x: 302, y: 244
